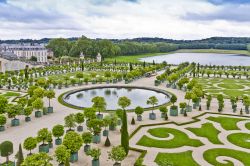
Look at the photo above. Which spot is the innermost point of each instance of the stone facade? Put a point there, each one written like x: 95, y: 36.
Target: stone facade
x: 11, y: 65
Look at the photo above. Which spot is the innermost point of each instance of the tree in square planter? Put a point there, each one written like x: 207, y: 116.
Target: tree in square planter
x: 23, y: 101
x: 38, y: 159
x: 87, y: 138
x: 246, y: 102
x: 50, y: 94
x: 220, y: 100
x: 79, y: 118
x: 43, y: 136
x: 95, y: 154
x: 152, y: 101
x: 183, y: 107
x: 29, y: 144
x: 198, y: 91
x: 13, y: 111
x: 195, y: 99
x: 38, y: 105
x: 124, y: 102
x: 6, y: 149
x: 95, y: 127
x: 106, y: 123
x: 164, y: 111
x: 100, y: 105
x: 117, y: 154
x: 208, y: 102
x: 70, y: 122
x: 58, y: 131
x: 173, y: 108
x: 27, y: 112
x: 113, y: 121
x: 3, y: 121
x: 89, y: 113
x: 189, y: 96
x: 50, y: 140
x: 73, y: 141
x: 62, y: 155
x: 233, y: 101
x: 139, y: 111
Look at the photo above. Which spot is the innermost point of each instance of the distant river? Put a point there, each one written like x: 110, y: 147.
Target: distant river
x: 202, y: 58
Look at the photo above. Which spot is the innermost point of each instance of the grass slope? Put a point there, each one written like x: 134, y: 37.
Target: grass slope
x: 176, y: 159
x: 208, y: 131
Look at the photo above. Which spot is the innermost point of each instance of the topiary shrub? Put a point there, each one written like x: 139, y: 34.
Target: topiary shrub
x: 6, y: 149
x: 133, y: 121
x: 107, y: 142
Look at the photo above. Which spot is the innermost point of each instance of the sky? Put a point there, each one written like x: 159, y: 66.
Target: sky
x: 175, y: 19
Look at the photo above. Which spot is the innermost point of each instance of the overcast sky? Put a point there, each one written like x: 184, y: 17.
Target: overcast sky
x: 176, y: 19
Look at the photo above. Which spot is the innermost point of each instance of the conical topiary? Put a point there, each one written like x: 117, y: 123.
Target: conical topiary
x: 107, y: 142
x: 19, y: 156
x: 133, y: 121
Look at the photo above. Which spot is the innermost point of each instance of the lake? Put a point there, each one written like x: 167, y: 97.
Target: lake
x: 202, y: 58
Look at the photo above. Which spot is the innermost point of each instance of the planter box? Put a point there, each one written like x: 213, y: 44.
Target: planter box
x: 112, y: 127
x: 189, y: 108
x: 58, y: 141
x: 173, y: 86
x: 152, y: 116
x: 95, y: 162
x: 2, y: 128
x: 182, y: 111
x: 105, y: 133
x: 173, y: 112
x: 44, y: 148
x: 119, y: 122
x: 96, y: 139
x: 45, y: 111
x: 163, y: 115
x: 117, y: 164
x: 86, y: 148
x: 247, y: 110
x: 38, y: 114
x: 139, y: 118
x: 15, y: 122
x: 79, y: 128
x: 126, y: 81
x: 99, y: 116
x: 74, y: 157
x: 50, y: 145
x: 50, y: 110
x: 27, y: 119
x: 194, y: 106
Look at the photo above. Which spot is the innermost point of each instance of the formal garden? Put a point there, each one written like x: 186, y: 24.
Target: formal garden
x: 160, y: 113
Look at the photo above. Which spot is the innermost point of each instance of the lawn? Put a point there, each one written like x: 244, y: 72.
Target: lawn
x: 240, y: 139
x: 160, y: 132
x: 226, y: 122
x: 208, y: 131
x: 248, y: 126
x: 225, y: 86
x: 212, y: 154
x: 180, y: 139
x: 176, y: 159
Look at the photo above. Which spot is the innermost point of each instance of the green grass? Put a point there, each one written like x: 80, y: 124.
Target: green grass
x: 231, y: 86
x: 11, y: 94
x: 176, y: 159
x: 218, y: 51
x: 211, y: 155
x: 180, y: 139
x: 226, y: 122
x: 240, y: 139
x: 248, y: 126
x: 160, y: 132
x: 134, y: 58
x: 208, y: 131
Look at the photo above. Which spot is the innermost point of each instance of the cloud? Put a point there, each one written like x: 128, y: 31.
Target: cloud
x: 229, y: 1
x: 178, y: 19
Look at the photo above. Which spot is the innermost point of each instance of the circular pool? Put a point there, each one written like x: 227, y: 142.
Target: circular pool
x: 138, y: 96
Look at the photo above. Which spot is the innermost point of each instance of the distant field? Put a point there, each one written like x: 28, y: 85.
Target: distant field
x: 243, y: 52
x: 135, y: 58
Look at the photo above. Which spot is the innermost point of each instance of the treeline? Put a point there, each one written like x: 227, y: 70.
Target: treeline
x: 107, y: 48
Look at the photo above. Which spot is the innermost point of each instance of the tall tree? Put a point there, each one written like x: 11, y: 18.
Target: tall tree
x: 124, y: 102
